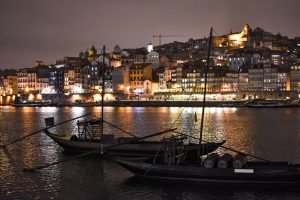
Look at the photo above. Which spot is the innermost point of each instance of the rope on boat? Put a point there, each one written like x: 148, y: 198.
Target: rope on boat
x: 33, y: 169
x: 35, y: 132
x: 227, y: 148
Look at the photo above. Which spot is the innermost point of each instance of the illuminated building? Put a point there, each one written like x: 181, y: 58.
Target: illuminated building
x: 26, y: 81
x: 190, y: 80
x: 256, y: 78
x: 234, y: 40
x: 243, y: 82
x: 230, y: 82
x: 139, y: 73
x: 10, y: 84
x: 295, y: 78
x: 69, y: 80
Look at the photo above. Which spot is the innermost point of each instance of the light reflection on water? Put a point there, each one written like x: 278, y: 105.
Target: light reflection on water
x: 270, y: 133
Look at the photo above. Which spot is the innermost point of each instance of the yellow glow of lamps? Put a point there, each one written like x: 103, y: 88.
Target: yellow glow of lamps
x: 30, y: 97
x: 39, y: 97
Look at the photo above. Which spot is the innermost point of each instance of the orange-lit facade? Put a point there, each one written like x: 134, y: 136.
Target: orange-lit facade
x: 234, y: 40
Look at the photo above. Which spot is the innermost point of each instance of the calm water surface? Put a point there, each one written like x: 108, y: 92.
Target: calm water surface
x: 269, y: 133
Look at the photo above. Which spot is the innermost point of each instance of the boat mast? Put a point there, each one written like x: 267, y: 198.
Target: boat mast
x: 205, y: 84
x: 103, y: 87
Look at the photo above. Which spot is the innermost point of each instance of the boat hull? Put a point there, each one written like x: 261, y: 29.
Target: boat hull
x: 151, y: 149
x: 256, y: 172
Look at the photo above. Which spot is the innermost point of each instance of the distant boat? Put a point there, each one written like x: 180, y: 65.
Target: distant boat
x: 20, y: 102
x: 264, y: 103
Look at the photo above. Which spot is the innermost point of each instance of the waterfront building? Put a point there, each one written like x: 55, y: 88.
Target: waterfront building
x: 86, y: 78
x: 270, y: 78
x: 57, y: 79
x: 283, y: 81
x: 256, y: 78
x: 161, y: 79
x: 213, y: 82
x: 243, y: 81
x: 10, y: 85
x: 120, y: 80
x: 191, y: 80
x: 42, y: 84
x: 72, y: 80
x: 26, y: 81
x: 295, y: 78
x: 230, y: 82
x: 139, y: 73
x: 69, y: 80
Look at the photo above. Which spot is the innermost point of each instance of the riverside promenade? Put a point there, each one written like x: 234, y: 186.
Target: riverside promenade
x: 158, y: 103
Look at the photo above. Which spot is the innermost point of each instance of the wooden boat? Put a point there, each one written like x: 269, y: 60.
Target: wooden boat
x: 112, y: 147
x: 252, y: 172
x: 213, y: 169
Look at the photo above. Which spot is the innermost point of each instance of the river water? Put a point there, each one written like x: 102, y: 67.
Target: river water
x: 273, y: 134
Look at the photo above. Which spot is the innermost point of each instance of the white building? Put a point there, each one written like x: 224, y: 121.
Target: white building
x: 153, y: 58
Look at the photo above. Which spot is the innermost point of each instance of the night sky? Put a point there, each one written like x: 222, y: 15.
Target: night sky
x: 48, y: 30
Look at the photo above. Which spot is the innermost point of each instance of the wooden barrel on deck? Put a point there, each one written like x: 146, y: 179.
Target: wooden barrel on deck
x: 211, y: 160
x: 239, y: 161
x: 225, y: 161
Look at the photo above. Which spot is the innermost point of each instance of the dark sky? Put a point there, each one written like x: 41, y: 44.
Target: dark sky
x: 47, y: 30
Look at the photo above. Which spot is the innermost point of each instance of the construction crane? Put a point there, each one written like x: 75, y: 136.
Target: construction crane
x: 160, y: 36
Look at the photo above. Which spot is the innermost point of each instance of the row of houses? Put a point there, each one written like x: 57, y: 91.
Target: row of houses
x: 138, y: 79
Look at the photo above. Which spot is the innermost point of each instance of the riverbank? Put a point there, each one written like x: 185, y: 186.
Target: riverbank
x: 168, y: 103
x: 141, y: 103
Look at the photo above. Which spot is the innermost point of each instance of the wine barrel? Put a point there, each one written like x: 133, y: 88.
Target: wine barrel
x: 239, y: 161
x: 225, y: 161
x: 211, y: 160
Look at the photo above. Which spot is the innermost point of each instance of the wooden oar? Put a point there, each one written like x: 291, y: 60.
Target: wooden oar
x: 33, y: 169
x: 228, y: 148
x: 35, y: 132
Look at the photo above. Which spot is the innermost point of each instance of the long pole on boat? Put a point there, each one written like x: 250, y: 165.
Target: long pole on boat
x: 205, y: 85
x: 103, y: 87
